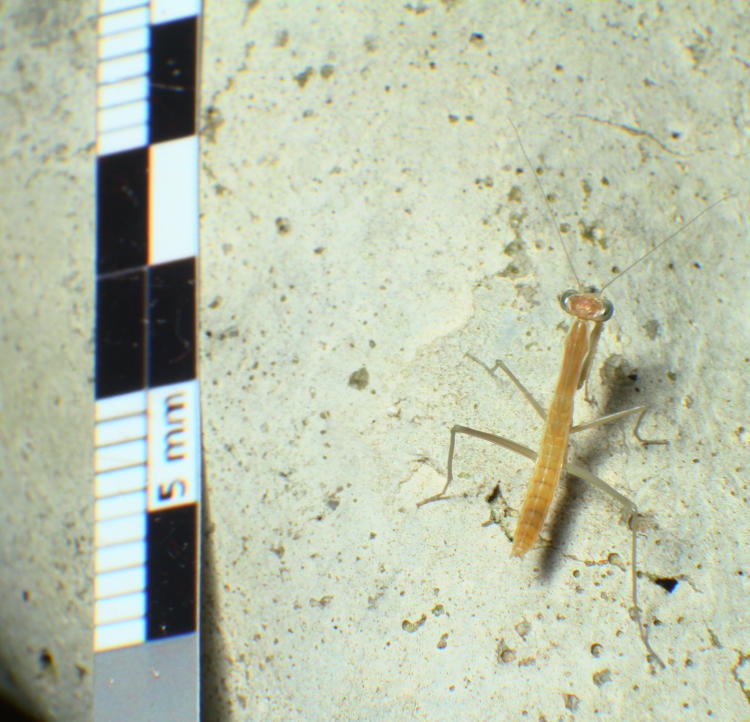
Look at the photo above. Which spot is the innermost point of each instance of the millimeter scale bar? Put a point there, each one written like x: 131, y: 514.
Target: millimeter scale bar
x: 147, y: 404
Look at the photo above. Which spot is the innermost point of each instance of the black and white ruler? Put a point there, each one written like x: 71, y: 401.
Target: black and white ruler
x: 147, y: 433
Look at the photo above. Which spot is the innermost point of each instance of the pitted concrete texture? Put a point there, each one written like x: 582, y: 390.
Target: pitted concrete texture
x: 368, y: 219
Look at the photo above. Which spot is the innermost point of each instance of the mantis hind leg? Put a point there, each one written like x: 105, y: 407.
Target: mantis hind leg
x: 629, y: 510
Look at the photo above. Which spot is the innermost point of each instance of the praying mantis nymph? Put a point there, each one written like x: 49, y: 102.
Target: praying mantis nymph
x: 590, y: 310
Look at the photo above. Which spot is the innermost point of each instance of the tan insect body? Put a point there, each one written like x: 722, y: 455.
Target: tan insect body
x: 553, y: 448
x: 590, y: 310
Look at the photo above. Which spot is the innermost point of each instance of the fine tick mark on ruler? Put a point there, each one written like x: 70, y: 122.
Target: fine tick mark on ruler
x: 590, y: 309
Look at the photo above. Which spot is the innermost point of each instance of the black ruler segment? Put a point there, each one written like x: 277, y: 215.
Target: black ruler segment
x: 171, y: 313
x: 172, y: 76
x: 122, y: 210
x: 145, y: 328
x: 120, y: 334
x: 172, y: 572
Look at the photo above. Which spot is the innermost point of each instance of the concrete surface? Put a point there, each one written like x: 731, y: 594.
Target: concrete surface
x: 365, y: 205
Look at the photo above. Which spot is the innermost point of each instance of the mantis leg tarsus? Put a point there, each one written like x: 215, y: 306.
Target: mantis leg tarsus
x: 646, y: 442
